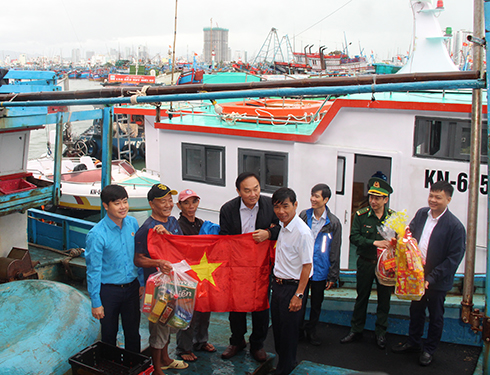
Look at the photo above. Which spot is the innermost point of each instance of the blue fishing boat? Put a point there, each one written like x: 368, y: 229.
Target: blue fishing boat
x: 43, y: 323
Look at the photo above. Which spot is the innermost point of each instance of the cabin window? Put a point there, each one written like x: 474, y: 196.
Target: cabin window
x: 447, y: 139
x: 340, y: 188
x: 203, y: 163
x: 271, y: 167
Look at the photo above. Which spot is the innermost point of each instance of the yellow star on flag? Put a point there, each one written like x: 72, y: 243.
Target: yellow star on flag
x: 204, y: 269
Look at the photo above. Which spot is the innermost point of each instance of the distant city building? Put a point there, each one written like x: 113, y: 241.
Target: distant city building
x: 114, y: 54
x: 22, y: 59
x: 240, y: 56
x: 89, y: 54
x: 216, y: 38
x: 75, y: 55
x: 143, y: 53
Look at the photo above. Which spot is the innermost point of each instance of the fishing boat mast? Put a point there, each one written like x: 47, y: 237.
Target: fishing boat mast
x: 173, y: 48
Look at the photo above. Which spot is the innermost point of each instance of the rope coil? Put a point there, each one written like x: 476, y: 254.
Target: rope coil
x: 142, y: 92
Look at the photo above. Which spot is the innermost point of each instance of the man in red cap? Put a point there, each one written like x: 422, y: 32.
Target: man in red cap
x: 196, y: 336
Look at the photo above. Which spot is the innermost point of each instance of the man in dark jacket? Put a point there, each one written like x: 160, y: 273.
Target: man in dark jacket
x: 327, y: 232
x: 441, y: 238
x: 248, y: 213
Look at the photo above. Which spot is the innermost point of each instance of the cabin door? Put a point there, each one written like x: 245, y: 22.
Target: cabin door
x: 353, y: 174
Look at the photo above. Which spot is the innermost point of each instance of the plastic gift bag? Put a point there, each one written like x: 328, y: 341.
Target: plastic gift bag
x: 385, y: 267
x: 170, y: 298
x: 410, y: 283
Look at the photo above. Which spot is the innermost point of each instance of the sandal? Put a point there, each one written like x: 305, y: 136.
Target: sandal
x: 207, y: 347
x: 175, y: 364
x: 187, y: 356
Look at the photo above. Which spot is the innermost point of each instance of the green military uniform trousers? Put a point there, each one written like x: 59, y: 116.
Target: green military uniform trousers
x: 365, y: 277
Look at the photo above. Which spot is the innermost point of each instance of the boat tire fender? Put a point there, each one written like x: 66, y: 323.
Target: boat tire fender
x: 142, y: 149
x: 114, y: 154
x: 92, y: 148
x: 133, y: 151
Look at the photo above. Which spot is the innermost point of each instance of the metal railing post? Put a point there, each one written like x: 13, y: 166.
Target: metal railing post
x: 106, y: 151
x: 58, y: 153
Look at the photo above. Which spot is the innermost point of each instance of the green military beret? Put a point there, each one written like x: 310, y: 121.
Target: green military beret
x: 378, y: 186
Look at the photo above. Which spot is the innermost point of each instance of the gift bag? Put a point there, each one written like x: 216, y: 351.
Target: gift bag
x: 170, y: 298
x: 386, y: 265
x: 410, y: 283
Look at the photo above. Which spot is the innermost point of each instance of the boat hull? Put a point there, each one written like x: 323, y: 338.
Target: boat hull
x: 81, y: 189
x: 87, y: 197
x: 43, y: 323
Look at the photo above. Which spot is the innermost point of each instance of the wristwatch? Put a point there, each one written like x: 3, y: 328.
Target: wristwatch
x: 299, y: 295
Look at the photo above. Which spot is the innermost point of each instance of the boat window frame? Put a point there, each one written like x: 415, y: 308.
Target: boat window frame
x: 204, y: 177
x: 264, y: 187
x: 444, y: 131
x: 340, y: 190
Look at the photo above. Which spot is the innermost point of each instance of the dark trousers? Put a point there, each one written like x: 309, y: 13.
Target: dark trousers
x: 123, y: 301
x: 316, y: 299
x: 364, y: 278
x: 434, y: 301
x: 238, y: 326
x: 285, y: 326
x: 196, y: 335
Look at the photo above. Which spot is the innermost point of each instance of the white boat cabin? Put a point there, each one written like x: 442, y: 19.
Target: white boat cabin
x: 415, y: 139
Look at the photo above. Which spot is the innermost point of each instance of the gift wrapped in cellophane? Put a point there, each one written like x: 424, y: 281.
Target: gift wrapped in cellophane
x: 410, y: 283
x: 409, y: 264
x: 386, y: 265
x: 170, y: 298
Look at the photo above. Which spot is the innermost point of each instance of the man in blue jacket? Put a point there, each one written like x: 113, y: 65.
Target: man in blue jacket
x: 441, y: 238
x: 327, y: 232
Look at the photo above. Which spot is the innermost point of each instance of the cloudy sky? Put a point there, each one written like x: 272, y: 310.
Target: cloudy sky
x: 51, y: 27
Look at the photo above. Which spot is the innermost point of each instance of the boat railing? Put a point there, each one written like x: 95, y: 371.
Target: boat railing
x: 266, y: 118
x: 134, y: 185
x: 151, y: 171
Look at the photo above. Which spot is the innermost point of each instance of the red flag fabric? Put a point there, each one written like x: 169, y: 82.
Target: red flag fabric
x: 233, y: 271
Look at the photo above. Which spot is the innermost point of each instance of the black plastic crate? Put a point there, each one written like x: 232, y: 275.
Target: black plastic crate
x: 102, y: 358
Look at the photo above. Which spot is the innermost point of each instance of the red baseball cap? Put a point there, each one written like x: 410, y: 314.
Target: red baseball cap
x: 187, y: 193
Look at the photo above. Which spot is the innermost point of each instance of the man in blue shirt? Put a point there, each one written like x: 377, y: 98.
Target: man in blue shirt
x: 161, y: 203
x: 111, y: 274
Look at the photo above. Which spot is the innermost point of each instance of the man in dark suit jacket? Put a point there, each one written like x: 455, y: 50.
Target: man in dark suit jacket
x: 441, y: 238
x: 249, y: 212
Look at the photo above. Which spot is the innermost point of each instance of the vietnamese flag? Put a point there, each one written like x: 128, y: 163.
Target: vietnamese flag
x: 233, y: 271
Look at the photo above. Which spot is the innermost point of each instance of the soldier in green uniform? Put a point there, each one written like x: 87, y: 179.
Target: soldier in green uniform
x: 365, y: 235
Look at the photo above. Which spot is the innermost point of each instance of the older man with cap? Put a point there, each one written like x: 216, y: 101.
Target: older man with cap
x: 365, y: 236
x: 161, y: 203
x: 196, y: 336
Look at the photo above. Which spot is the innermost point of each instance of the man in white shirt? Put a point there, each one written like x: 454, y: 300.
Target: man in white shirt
x: 292, y: 269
